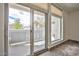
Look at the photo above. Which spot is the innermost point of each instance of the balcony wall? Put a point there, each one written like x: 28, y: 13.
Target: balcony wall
x: 16, y: 36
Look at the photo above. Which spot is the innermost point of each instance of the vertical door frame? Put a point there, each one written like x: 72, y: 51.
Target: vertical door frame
x: 32, y: 32
x: 46, y: 31
x: 6, y: 14
x: 49, y: 25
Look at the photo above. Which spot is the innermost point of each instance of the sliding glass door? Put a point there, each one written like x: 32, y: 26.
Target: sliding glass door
x: 39, y: 31
x: 19, y: 31
x: 26, y: 30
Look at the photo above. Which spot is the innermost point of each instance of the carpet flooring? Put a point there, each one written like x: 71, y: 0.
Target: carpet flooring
x: 68, y: 48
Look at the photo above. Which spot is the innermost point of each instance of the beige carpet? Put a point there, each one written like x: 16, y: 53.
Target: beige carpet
x: 68, y: 48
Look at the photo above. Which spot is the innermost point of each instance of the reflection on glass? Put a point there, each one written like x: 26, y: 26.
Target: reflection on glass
x: 39, y: 31
x: 19, y: 32
x: 55, y: 28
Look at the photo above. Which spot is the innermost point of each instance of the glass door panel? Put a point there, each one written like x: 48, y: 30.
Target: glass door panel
x: 39, y: 31
x: 55, y: 28
x: 19, y: 31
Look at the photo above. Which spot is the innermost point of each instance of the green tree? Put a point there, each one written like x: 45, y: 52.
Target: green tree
x: 17, y: 24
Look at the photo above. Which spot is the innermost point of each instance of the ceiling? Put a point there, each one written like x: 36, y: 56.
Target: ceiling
x: 70, y: 7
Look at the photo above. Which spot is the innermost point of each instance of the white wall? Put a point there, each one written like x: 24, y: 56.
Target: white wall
x: 74, y: 26
x: 66, y: 25
x: 1, y: 30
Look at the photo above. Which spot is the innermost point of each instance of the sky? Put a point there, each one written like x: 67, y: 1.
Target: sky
x: 15, y: 13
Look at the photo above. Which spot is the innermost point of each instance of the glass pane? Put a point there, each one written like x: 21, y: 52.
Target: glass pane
x: 39, y: 31
x: 19, y: 32
x: 55, y: 28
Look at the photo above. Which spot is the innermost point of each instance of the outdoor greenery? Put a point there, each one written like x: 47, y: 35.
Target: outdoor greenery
x: 17, y: 24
